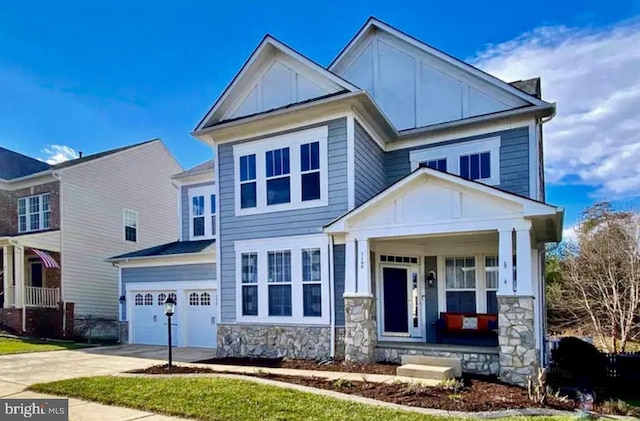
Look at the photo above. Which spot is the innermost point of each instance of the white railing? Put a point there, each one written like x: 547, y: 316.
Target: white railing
x: 41, y: 297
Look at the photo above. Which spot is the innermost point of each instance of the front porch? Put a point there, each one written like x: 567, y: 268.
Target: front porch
x: 437, y: 261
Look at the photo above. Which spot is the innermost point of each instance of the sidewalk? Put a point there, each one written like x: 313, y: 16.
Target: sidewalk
x: 87, y: 411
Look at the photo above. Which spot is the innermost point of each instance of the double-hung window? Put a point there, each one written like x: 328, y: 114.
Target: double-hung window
x: 283, y: 280
x: 249, y: 279
x: 460, y: 284
x: 279, y: 264
x: 281, y: 173
x: 130, y: 226
x: 202, y: 212
x: 277, y: 176
x: 34, y: 213
x: 248, y: 184
x: 477, y: 160
x: 310, y: 170
x: 491, y: 282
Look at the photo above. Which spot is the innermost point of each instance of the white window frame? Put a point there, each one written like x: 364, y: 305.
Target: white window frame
x: 41, y: 212
x: 295, y: 244
x: 207, y: 192
x: 124, y: 226
x: 293, y: 141
x: 453, y: 153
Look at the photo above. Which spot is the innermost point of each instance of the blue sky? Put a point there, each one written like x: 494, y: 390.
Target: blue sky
x: 91, y: 75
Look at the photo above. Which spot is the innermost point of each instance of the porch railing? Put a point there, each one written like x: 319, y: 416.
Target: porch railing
x: 41, y: 297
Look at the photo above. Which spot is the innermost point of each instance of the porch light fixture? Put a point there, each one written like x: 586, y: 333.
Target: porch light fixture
x: 431, y: 279
x: 169, y: 307
x: 122, y: 299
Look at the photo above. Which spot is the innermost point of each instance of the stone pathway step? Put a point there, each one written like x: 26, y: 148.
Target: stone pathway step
x: 425, y: 371
x: 454, y: 363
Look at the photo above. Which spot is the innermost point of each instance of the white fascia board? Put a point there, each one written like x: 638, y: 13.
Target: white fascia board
x: 374, y: 24
x: 265, y: 48
x: 166, y: 260
x: 169, y: 286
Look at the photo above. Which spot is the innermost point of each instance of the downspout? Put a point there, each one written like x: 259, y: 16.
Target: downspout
x: 56, y: 175
x: 332, y: 300
x: 24, y: 308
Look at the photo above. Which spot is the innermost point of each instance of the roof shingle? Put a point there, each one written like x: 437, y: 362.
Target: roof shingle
x: 169, y: 249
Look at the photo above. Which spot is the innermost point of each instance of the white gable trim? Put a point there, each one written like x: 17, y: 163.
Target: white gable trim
x: 529, y: 207
x: 264, y: 50
x: 372, y: 24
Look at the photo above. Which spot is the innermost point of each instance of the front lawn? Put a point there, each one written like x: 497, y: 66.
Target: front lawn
x: 223, y: 399
x: 20, y: 346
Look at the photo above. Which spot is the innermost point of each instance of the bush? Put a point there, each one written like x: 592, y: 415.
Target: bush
x: 578, y: 364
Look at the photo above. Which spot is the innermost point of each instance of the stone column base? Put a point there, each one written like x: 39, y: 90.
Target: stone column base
x: 518, y: 355
x: 360, y: 328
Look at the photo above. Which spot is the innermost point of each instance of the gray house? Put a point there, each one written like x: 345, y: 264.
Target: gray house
x: 391, y: 203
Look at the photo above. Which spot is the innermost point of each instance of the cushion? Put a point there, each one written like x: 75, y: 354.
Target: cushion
x: 470, y: 323
x: 483, y: 321
x: 454, y: 321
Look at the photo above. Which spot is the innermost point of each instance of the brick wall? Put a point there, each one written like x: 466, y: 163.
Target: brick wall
x: 52, y: 275
x: 41, y: 322
x: 9, y: 206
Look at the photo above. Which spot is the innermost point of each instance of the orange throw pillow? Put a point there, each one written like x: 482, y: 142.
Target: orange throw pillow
x: 454, y: 321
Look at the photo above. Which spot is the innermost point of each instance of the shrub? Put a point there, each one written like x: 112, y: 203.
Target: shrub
x: 451, y: 384
x: 578, y: 364
x: 619, y: 407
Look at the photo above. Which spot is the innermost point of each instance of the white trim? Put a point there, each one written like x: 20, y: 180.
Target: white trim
x: 351, y: 163
x: 370, y: 130
x: 205, y: 191
x: 124, y: 225
x: 170, y: 286
x: 167, y: 260
x: 373, y: 24
x: 41, y: 212
x: 295, y: 245
x: 453, y: 153
x: 217, y: 244
x: 293, y: 141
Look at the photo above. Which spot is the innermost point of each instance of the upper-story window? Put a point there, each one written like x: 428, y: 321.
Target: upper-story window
x: 202, y: 213
x: 34, y: 213
x: 130, y: 225
x: 477, y: 160
x: 282, y: 173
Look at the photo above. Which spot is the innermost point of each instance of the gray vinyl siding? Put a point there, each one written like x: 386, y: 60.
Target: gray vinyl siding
x: 159, y: 274
x: 514, y: 159
x: 339, y: 254
x: 274, y: 224
x: 370, y: 173
x: 184, y: 208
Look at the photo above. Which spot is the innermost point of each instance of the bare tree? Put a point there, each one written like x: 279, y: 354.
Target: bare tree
x: 601, y: 275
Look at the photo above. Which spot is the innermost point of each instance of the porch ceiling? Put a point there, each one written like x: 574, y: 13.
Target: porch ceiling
x: 48, y: 240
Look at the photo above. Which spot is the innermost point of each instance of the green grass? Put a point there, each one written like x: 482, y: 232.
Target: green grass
x: 20, y: 346
x: 223, y: 399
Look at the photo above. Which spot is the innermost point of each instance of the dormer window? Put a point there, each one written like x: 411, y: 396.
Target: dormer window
x: 477, y: 160
x: 282, y: 173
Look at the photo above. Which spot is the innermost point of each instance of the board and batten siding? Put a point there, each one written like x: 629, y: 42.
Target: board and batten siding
x: 184, y: 207
x: 370, y: 173
x: 514, y: 159
x: 274, y: 224
x: 160, y: 274
x: 93, y: 196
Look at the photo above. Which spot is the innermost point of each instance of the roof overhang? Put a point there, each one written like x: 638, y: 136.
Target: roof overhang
x: 546, y: 221
x: 180, y: 258
x: 46, y: 240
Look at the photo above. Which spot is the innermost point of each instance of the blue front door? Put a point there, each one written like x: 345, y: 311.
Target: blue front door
x: 37, y: 274
x: 395, y: 298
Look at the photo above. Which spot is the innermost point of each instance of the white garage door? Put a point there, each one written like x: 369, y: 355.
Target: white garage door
x: 149, y: 323
x: 201, y: 318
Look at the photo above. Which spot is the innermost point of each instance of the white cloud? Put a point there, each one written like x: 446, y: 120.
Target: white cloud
x: 570, y: 235
x: 56, y: 154
x: 594, y: 76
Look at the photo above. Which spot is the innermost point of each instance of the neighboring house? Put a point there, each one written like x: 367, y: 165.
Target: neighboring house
x: 59, y: 222
x: 185, y: 269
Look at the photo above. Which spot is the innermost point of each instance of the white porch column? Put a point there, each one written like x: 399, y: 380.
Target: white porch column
x: 350, y: 267
x: 505, y: 262
x: 19, y: 276
x: 524, y: 263
x: 363, y: 286
x: 7, y: 267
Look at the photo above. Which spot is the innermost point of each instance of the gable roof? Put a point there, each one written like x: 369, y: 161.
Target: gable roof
x: 532, y: 208
x: 267, y: 47
x: 88, y: 158
x: 373, y: 24
x: 169, y: 249
x: 15, y: 165
x: 205, y: 167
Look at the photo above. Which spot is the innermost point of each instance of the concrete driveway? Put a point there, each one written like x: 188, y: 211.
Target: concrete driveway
x: 20, y: 370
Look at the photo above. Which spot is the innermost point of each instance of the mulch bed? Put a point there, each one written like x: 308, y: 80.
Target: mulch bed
x: 477, y: 394
x: 302, y: 364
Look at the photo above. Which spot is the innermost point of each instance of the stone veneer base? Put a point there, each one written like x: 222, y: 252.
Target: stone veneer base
x: 472, y: 362
x: 518, y: 355
x: 360, y: 328
x: 269, y: 341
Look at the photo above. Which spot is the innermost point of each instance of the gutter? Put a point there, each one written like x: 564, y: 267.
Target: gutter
x: 56, y: 175
x: 332, y: 301
x: 117, y: 261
